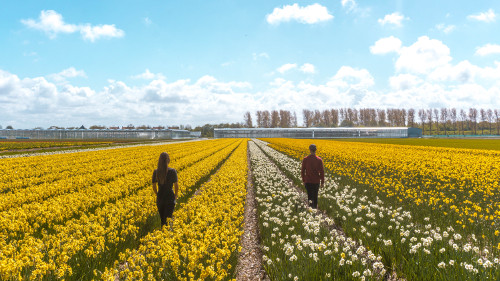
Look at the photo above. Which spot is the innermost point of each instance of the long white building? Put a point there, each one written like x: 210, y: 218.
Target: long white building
x: 316, y: 133
x: 95, y: 134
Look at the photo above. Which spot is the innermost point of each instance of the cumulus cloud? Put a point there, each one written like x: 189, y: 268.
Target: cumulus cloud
x: 148, y: 75
x: 386, y: 45
x: 67, y: 73
x: 308, y: 68
x: 311, y: 14
x: 445, y: 28
x: 395, y: 19
x: 30, y: 102
x: 286, y: 67
x: 488, y: 16
x: 348, y: 76
x: 422, y: 56
x: 488, y: 49
x: 52, y: 23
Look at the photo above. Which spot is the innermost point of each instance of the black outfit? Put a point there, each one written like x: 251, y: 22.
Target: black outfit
x: 312, y: 194
x: 165, y: 199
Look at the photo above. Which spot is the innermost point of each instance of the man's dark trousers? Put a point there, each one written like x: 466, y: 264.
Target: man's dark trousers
x: 312, y: 194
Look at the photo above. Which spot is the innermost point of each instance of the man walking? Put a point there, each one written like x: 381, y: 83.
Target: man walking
x: 312, y: 176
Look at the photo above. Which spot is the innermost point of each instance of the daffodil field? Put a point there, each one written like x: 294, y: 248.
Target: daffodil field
x: 89, y: 206
x: 386, y: 212
x: 431, y: 213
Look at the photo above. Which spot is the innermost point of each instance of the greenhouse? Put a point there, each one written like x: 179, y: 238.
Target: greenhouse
x: 316, y: 133
x: 95, y: 134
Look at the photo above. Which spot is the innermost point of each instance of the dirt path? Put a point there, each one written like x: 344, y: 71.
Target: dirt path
x: 250, y: 259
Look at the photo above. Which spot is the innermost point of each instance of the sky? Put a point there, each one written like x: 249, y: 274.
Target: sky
x: 114, y: 63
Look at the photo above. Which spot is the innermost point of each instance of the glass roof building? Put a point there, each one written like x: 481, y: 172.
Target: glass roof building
x: 318, y: 133
x: 96, y: 134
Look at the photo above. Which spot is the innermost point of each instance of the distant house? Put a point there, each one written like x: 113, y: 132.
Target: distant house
x: 159, y: 128
x: 114, y: 128
x: 82, y: 128
x: 174, y: 128
x: 127, y: 128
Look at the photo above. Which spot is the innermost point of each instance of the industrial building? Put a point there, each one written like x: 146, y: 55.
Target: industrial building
x: 62, y: 134
x: 317, y: 133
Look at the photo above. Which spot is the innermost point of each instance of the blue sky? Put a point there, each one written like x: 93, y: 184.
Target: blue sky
x: 109, y: 62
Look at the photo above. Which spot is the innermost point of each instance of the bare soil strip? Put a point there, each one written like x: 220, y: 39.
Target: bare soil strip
x: 250, y: 259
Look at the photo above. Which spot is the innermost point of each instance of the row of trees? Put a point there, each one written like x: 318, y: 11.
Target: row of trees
x: 432, y: 121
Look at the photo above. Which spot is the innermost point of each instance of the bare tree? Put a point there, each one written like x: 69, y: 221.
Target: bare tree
x: 381, y: 117
x: 295, y: 123
x: 275, y: 119
x: 436, y: 119
x: 308, y: 117
x: 248, y: 120
x: 473, y: 119
x: 285, y: 119
x: 444, y: 119
x: 489, y: 116
x: 334, y: 113
x: 429, y: 118
x: 483, y: 116
x: 422, y: 115
x: 497, y: 117
x: 453, y: 117
x: 266, y: 119
x: 317, y: 119
x: 260, y: 124
x: 326, y: 117
x: 411, y: 117
x: 463, y: 119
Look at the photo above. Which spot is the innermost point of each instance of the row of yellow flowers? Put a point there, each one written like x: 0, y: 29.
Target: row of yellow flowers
x: 20, y: 173
x: 82, y: 239
x: 12, y: 145
x: 29, y: 217
x: 204, y: 240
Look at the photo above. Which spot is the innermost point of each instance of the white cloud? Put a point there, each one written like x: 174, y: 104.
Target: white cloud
x: 404, y: 81
x: 257, y: 56
x: 148, y: 75
x: 350, y: 5
x: 308, y: 68
x: 147, y: 21
x: 67, y: 73
x: 386, y: 45
x: 286, y: 67
x: 52, y: 24
x: 423, y: 56
x: 488, y: 49
x: 488, y: 16
x: 95, y: 32
x: 348, y: 76
x: 445, y: 28
x: 395, y: 18
x: 31, y: 102
x: 311, y: 14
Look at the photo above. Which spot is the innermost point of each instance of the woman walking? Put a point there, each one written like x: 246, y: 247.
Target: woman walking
x: 166, y: 178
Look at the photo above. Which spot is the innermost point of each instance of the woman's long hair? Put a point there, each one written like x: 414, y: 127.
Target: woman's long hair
x: 161, y: 171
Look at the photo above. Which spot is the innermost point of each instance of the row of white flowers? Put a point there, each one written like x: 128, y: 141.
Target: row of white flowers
x: 409, y: 243
x: 297, y: 243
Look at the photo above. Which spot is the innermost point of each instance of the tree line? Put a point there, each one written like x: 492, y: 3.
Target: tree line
x: 432, y: 121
